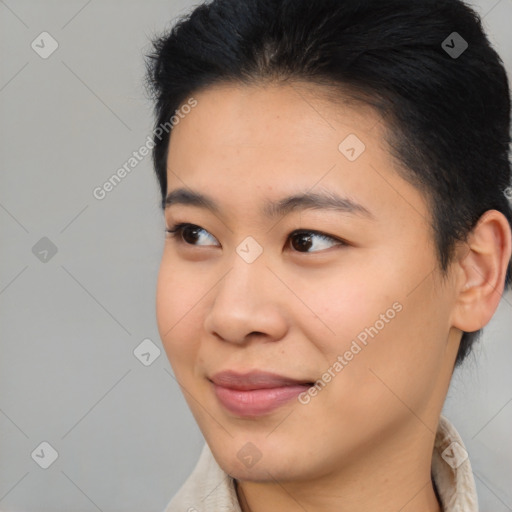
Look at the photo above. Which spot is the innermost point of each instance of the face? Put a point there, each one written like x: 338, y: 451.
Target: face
x: 259, y: 297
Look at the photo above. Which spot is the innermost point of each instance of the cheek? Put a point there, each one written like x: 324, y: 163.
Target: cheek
x: 398, y: 366
x: 178, y: 303
x: 382, y: 320
x: 383, y: 379
x: 341, y: 303
x: 180, y: 288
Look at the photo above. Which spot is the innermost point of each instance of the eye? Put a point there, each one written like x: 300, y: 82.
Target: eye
x: 190, y: 234
x: 303, y: 241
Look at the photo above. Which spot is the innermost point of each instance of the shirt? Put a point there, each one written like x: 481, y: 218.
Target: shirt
x: 211, y: 489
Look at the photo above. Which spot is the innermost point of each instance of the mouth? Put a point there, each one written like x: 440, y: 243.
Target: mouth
x: 256, y: 393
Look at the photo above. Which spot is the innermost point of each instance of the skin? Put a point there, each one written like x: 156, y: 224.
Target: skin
x: 365, y: 441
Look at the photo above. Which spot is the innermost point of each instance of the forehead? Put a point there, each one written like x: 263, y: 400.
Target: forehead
x: 294, y: 129
x: 276, y: 115
x: 240, y: 142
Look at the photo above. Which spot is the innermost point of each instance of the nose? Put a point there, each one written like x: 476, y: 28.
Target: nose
x: 246, y: 304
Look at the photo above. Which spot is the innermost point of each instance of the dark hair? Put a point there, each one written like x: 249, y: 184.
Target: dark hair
x: 447, y: 113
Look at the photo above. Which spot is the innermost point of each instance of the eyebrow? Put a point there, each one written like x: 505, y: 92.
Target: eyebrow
x: 303, y: 201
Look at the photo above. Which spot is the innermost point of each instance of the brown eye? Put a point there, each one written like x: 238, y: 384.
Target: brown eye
x: 190, y: 234
x: 303, y: 241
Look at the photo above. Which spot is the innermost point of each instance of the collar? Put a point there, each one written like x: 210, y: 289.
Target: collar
x: 210, y: 489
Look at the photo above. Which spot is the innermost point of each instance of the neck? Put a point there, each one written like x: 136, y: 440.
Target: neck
x: 392, y: 479
x: 424, y: 501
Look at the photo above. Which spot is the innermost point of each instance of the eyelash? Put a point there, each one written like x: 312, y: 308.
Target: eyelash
x: 176, y: 233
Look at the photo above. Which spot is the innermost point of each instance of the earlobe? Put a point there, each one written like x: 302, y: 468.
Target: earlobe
x: 482, y: 270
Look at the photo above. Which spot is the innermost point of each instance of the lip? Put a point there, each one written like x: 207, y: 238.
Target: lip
x: 255, y: 393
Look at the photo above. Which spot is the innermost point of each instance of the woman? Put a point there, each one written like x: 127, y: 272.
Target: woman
x: 334, y: 182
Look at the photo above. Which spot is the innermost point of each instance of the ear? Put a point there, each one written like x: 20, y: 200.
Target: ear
x: 481, y: 271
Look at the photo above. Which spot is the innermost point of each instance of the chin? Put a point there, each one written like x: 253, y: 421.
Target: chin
x: 251, y: 464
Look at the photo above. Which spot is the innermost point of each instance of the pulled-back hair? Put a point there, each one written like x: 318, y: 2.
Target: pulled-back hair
x: 446, y: 113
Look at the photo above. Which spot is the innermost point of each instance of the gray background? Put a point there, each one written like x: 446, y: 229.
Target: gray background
x: 68, y: 376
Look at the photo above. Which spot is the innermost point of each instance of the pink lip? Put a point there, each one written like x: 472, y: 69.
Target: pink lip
x: 255, y: 393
